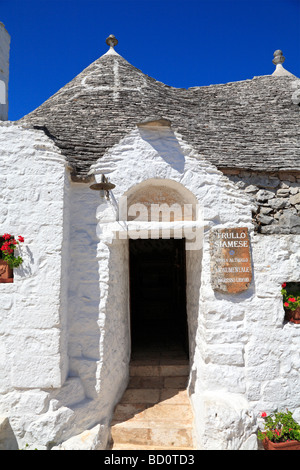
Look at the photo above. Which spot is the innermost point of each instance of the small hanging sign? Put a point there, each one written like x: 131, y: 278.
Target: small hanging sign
x: 231, y: 270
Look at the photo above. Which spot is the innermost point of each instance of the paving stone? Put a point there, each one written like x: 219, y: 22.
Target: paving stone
x: 159, y: 418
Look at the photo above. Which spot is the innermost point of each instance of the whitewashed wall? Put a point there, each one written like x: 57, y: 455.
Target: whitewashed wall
x: 64, y: 325
x: 248, y: 361
x: 32, y: 205
x: 96, y: 331
x: 244, y: 359
x: 52, y: 383
x: 33, y: 308
x: 4, y: 71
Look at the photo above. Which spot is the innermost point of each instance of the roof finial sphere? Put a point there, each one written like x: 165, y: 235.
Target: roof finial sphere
x: 278, y: 57
x: 111, y: 41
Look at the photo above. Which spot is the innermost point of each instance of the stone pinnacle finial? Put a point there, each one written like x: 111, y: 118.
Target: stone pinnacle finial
x: 278, y: 60
x: 111, y: 41
x: 278, y: 57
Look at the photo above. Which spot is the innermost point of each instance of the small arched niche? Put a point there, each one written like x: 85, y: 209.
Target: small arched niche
x: 160, y: 200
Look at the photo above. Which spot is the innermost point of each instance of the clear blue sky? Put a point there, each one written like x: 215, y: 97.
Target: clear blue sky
x: 181, y: 43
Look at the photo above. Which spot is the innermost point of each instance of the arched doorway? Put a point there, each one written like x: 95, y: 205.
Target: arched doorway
x: 158, y: 295
x: 157, y: 260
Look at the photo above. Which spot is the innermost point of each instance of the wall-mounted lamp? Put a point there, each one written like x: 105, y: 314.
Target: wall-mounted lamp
x: 104, y: 187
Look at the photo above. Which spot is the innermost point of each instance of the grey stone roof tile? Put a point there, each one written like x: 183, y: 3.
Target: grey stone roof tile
x: 251, y: 124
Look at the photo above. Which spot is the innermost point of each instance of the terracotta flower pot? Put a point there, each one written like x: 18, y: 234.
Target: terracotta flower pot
x: 6, y: 273
x: 287, y: 445
x: 293, y: 315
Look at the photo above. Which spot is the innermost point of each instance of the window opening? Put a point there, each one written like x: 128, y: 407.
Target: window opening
x: 291, y: 301
x: 6, y: 272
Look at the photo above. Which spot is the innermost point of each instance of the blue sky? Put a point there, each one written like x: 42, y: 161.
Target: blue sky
x: 181, y: 43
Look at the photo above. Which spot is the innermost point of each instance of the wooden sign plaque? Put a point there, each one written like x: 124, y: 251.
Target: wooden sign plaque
x: 231, y: 270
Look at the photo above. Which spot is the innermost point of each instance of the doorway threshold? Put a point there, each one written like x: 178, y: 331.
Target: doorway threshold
x: 159, y: 354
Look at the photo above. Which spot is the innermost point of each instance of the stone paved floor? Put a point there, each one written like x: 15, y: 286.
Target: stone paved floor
x: 155, y: 411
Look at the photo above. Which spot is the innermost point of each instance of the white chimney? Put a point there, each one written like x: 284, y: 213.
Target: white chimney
x: 4, y: 71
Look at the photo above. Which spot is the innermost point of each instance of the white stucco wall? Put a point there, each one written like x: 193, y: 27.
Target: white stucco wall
x: 97, y: 331
x: 55, y: 358
x: 64, y: 326
x: 33, y: 307
x: 244, y: 358
x: 248, y: 360
x: 4, y: 71
x: 32, y: 205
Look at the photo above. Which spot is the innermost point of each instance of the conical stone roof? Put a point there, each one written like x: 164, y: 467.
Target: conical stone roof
x: 251, y: 124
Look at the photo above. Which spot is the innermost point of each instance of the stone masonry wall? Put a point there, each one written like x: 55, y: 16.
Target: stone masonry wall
x: 33, y: 315
x: 56, y: 359
x: 248, y: 361
x: 277, y: 197
x: 31, y: 199
x: 64, y: 324
x: 4, y: 71
x: 244, y: 356
x: 96, y: 333
x: 160, y: 154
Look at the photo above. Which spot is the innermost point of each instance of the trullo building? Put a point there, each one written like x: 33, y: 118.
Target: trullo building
x: 159, y: 226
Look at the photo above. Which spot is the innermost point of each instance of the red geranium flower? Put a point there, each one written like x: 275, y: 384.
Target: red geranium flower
x: 286, y: 304
x: 283, y: 285
x: 8, y: 248
x: 264, y: 415
x: 292, y: 299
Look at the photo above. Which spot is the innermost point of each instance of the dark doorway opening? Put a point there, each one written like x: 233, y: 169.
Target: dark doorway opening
x: 158, y: 295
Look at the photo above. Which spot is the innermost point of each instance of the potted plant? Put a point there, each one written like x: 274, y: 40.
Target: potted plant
x: 8, y: 259
x: 291, y: 301
x: 281, y: 431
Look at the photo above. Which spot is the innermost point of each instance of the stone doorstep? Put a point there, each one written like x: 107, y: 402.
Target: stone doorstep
x: 140, y: 395
x: 168, y: 423
x: 153, y: 423
x: 176, y: 382
x: 128, y: 410
x: 158, y: 413
x: 155, y: 411
x: 163, y: 360
x: 162, y: 436
x: 173, y: 396
x: 120, y: 446
x: 146, y: 382
x: 159, y: 370
x: 153, y: 396
x: 158, y: 382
